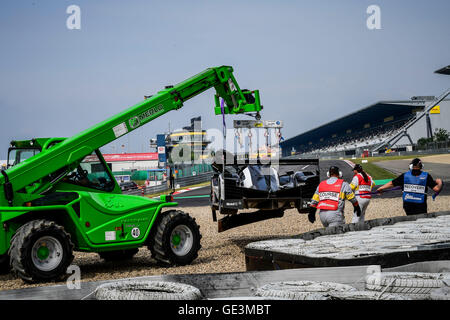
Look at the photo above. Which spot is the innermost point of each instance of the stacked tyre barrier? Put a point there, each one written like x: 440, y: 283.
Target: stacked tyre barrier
x: 414, y: 285
x: 381, y: 286
x: 147, y: 290
x: 312, y: 290
x: 386, y: 242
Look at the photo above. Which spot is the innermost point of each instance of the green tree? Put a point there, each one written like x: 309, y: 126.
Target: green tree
x: 441, y: 134
x: 423, y: 141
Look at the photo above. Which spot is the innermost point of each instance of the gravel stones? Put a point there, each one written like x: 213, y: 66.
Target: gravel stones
x: 224, y: 252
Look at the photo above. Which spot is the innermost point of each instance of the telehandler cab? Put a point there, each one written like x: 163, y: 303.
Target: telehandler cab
x: 59, y: 195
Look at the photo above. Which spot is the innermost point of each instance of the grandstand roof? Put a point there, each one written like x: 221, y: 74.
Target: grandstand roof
x: 375, y: 115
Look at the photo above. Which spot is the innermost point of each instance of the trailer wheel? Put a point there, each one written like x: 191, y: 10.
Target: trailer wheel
x: 4, y: 264
x: 118, y: 255
x: 177, y: 239
x: 40, y: 250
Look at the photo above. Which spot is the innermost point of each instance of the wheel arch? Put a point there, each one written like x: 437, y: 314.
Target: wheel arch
x: 158, y: 215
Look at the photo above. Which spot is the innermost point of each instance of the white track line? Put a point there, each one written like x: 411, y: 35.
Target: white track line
x: 351, y: 164
x: 188, y: 189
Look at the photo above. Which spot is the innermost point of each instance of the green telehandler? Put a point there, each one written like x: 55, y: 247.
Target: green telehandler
x: 58, y: 195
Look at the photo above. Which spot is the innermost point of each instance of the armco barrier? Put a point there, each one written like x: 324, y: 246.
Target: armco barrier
x: 192, y: 180
x: 179, y: 183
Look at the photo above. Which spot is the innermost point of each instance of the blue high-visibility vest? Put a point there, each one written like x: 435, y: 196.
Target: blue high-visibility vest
x: 414, y: 187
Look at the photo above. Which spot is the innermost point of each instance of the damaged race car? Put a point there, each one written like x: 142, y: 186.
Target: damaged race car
x: 270, y: 188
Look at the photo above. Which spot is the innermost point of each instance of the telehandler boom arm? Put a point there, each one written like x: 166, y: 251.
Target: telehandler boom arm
x: 69, y: 152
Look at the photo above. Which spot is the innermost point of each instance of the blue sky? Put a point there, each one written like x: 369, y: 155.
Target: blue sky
x: 313, y: 61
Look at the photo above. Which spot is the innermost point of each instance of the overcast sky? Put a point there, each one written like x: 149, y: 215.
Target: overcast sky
x: 313, y: 61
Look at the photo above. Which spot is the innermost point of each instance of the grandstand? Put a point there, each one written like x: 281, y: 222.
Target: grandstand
x: 370, y: 127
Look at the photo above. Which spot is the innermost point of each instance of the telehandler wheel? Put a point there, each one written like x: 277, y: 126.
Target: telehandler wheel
x: 118, y: 255
x: 40, y: 250
x: 4, y: 264
x: 177, y: 239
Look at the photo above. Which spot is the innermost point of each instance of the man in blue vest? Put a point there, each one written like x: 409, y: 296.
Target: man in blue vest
x: 415, y: 184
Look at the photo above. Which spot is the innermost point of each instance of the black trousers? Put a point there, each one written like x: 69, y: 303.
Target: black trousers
x: 414, y: 208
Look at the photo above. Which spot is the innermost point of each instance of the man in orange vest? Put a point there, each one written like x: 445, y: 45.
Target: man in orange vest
x: 330, y: 198
x: 362, y: 185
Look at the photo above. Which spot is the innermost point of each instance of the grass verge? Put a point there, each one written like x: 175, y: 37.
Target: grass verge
x: 375, y: 171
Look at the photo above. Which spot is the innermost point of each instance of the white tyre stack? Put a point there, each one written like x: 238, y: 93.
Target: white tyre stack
x: 413, y: 285
x: 302, y: 290
x: 147, y: 290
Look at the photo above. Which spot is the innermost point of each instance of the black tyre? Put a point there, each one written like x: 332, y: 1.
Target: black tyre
x: 176, y: 240
x: 4, y: 264
x: 40, y: 250
x: 118, y: 255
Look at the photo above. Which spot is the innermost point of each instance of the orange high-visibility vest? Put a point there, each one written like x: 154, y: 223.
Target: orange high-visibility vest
x: 329, y: 195
x: 364, y: 188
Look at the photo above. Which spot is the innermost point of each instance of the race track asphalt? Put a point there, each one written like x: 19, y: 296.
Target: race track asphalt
x: 437, y: 170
